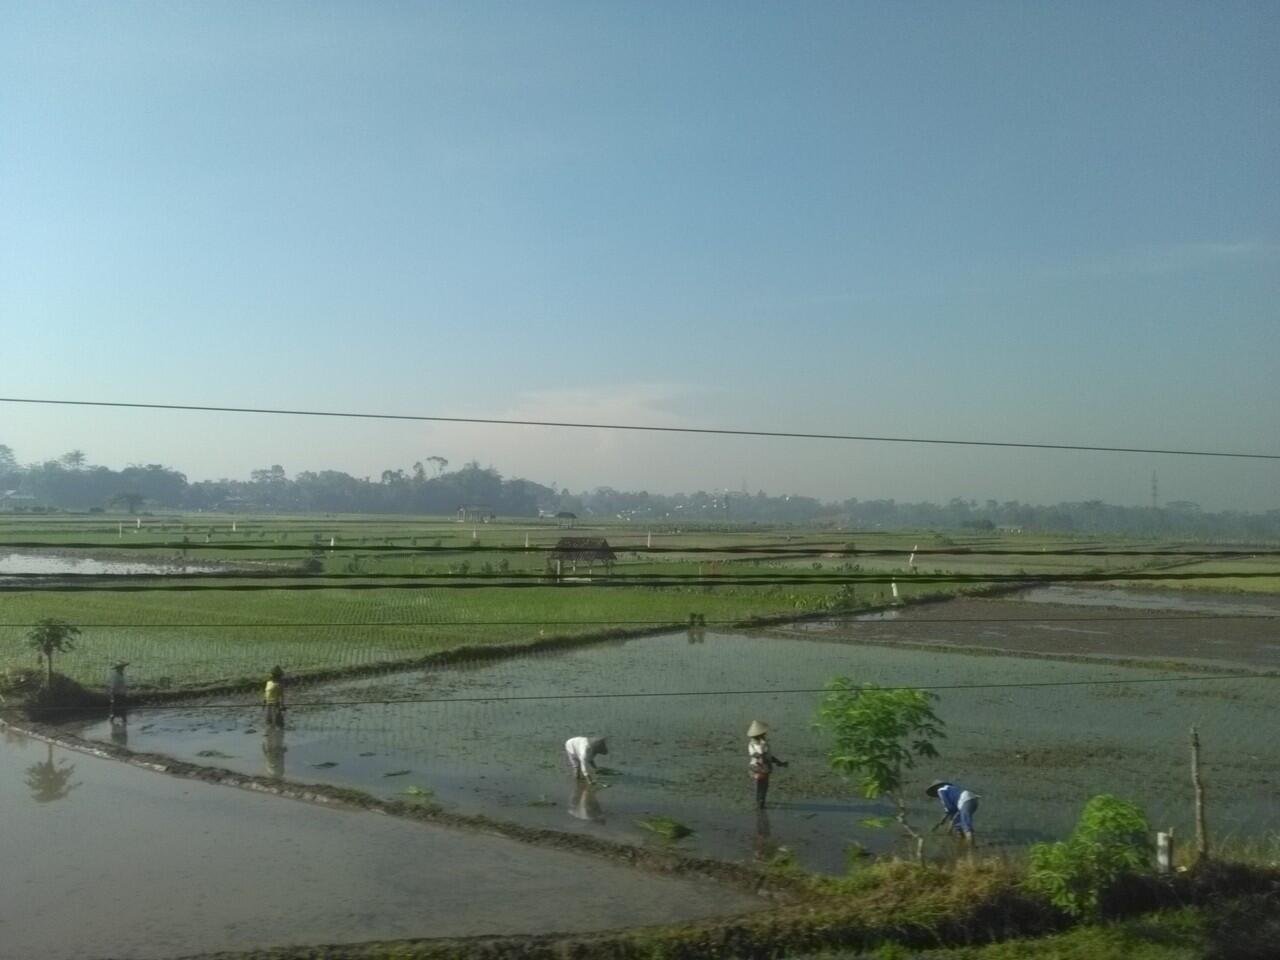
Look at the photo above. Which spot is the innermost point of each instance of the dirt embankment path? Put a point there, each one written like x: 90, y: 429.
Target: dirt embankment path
x: 110, y: 861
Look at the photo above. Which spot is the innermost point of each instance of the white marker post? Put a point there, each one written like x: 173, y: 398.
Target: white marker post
x: 233, y: 526
x: 526, y: 541
x: 331, y: 540
x: 911, y: 561
x: 894, y: 585
x: 138, y: 524
x: 121, y: 528
x: 1164, y: 852
x: 648, y: 540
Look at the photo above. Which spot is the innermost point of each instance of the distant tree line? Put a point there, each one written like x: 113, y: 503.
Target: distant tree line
x: 429, y: 487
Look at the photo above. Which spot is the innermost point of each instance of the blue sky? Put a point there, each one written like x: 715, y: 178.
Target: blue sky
x: 991, y: 221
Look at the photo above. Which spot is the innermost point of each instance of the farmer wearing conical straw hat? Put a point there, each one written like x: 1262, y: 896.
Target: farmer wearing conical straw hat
x: 118, y: 692
x: 760, y: 761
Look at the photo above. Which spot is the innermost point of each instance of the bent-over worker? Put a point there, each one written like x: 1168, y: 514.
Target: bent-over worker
x: 958, y: 806
x: 581, y: 753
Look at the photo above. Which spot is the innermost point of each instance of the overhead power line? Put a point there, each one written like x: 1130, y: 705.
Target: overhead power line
x: 762, y: 551
x: 646, y: 428
x: 290, y: 580
x: 639, y: 694
x: 869, y: 617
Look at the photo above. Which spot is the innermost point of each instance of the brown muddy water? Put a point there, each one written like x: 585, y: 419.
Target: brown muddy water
x: 107, y: 860
x: 491, y: 742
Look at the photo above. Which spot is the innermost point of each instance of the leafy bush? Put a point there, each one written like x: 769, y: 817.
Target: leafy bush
x: 1110, y: 840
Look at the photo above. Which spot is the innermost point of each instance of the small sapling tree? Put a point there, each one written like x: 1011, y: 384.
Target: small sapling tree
x: 50, y: 636
x: 1111, y: 840
x: 879, y: 734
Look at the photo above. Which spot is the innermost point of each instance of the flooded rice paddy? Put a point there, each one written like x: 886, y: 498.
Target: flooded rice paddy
x: 488, y: 738
x: 48, y: 564
x: 110, y: 861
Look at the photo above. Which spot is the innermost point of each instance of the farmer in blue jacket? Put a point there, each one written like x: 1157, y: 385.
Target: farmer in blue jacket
x: 958, y: 806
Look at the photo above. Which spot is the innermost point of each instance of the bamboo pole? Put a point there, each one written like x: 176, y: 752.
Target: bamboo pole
x: 1197, y: 784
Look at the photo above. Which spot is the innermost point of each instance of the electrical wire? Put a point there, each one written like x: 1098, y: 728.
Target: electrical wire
x: 868, y: 617
x: 653, y: 694
x: 755, y: 551
x: 648, y: 428
x: 162, y: 583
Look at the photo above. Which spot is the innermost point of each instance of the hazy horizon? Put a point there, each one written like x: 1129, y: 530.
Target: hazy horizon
x: 985, y: 221
x: 1171, y: 474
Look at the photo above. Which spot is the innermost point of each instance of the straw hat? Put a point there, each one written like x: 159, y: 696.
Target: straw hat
x: 119, y: 664
x: 933, y: 788
x: 757, y: 729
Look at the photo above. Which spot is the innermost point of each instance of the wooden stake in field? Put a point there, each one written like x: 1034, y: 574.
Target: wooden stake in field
x: 1197, y: 785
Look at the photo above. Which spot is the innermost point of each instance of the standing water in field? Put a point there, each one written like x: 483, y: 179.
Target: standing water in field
x: 12, y: 564
x: 488, y: 738
x: 109, y: 860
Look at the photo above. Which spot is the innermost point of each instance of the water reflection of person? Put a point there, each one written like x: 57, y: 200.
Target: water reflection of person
x: 763, y: 845
x: 273, y: 749
x: 119, y: 734
x: 697, y: 627
x: 584, y: 804
x: 49, y: 781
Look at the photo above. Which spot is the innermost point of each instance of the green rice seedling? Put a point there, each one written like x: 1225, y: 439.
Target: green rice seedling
x: 668, y: 828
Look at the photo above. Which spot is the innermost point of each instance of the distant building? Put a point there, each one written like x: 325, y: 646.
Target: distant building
x: 566, y: 518
x: 476, y: 512
x: 13, y: 500
x: 588, y: 550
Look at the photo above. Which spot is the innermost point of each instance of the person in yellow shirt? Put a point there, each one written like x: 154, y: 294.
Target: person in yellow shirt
x: 273, y: 698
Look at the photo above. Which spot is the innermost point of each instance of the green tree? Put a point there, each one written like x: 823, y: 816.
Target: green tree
x: 130, y: 501
x: 1111, y: 839
x: 75, y: 459
x: 879, y: 734
x: 49, y: 636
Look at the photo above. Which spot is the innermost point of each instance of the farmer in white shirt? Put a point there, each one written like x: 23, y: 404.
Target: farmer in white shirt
x: 118, y: 692
x: 581, y: 753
